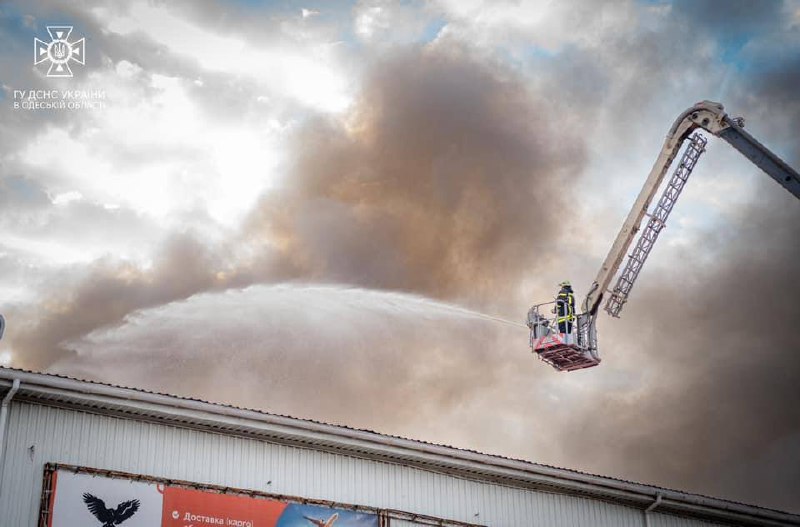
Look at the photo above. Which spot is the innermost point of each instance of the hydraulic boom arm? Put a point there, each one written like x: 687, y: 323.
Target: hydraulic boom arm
x: 553, y: 340
x: 709, y: 116
x: 761, y: 157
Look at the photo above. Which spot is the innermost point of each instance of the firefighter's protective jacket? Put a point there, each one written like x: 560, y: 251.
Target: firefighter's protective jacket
x: 565, y: 309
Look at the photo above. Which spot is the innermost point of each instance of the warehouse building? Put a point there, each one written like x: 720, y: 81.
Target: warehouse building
x: 78, y: 453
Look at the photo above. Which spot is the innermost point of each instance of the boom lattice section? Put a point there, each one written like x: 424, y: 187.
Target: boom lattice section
x: 696, y: 146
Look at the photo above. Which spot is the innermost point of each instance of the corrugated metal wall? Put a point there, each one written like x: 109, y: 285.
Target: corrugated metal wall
x: 40, y: 434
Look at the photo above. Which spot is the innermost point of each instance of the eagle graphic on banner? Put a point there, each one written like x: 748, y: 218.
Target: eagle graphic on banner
x: 110, y: 517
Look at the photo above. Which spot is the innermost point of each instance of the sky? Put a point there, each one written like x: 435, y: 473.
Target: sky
x: 292, y: 206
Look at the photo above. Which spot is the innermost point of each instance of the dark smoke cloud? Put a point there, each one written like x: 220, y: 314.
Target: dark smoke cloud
x: 730, y: 19
x: 447, y: 180
x: 104, y: 295
x: 719, y: 345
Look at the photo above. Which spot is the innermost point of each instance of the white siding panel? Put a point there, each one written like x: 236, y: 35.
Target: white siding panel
x: 104, y: 442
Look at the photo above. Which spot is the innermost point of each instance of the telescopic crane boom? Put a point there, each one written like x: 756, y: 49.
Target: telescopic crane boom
x: 555, y: 348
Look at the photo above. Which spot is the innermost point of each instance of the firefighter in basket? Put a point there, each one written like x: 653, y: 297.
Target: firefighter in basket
x: 565, y: 311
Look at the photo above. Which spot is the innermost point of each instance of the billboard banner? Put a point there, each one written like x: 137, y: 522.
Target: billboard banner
x: 88, y: 499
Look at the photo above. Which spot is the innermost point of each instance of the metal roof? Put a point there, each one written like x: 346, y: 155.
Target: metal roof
x: 92, y: 396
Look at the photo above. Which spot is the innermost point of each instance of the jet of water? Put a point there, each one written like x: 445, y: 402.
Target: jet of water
x: 284, y: 343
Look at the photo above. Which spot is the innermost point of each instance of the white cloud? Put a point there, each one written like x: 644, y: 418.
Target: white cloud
x: 159, y: 156
x: 309, y: 75
x: 127, y: 69
x: 380, y: 22
x: 545, y: 24
x: 67, y: 197
x: 370, y: 19
x: 53, y: 251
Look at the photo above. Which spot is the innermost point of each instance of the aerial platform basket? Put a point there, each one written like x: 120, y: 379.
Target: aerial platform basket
x: 563, y: 351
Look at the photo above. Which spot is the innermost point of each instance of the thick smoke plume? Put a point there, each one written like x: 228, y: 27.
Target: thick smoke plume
x: 447, y: 180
